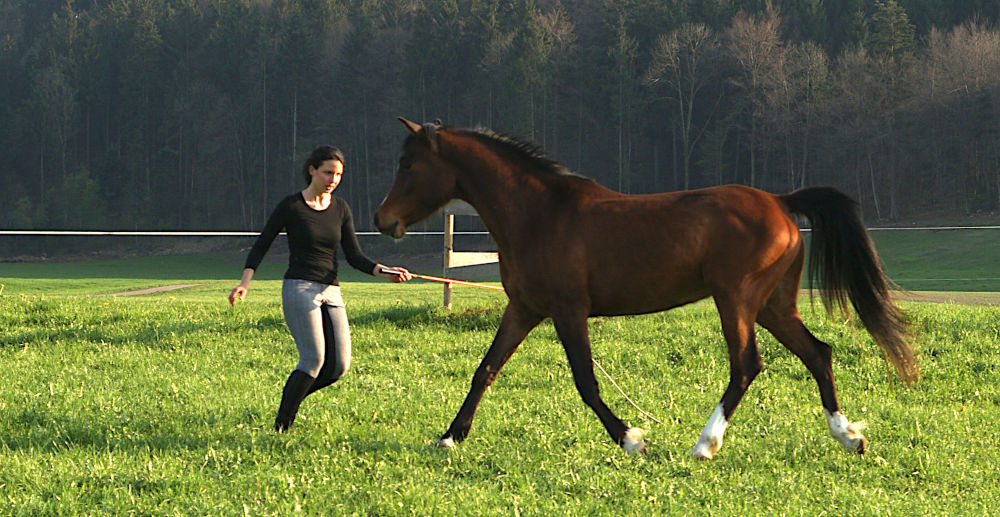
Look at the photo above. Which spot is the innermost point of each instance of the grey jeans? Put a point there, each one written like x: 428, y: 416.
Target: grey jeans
x: 317, y: 319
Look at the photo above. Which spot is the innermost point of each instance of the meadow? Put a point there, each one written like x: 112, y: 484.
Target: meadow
x: 162, y: 404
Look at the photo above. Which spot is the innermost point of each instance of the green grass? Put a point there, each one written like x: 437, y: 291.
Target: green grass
x: 119, y: 275
x: 945, y: 260
x: 161, y: 405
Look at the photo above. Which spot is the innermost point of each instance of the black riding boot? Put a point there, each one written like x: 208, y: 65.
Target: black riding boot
x: 296, y: 388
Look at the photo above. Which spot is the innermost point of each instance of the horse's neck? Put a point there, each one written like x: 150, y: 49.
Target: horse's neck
x: 505, y: 201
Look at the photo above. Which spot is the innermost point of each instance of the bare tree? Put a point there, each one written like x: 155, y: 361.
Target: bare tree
x: 961, y: 80
x: 805, y: 100
x: 753, y: 41
x: 682, y: 62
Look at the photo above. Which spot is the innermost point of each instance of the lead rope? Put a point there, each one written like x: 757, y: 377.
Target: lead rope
x: 615, y: 384
x: 487, y: 286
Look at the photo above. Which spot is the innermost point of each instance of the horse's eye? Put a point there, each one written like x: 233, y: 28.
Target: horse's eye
x: 404, y: 163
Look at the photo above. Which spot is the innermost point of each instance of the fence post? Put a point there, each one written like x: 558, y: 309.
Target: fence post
x: 449, y: 241
x: 456, y: 259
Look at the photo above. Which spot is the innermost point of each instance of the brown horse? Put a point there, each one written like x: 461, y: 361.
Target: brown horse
x: 570, y: 249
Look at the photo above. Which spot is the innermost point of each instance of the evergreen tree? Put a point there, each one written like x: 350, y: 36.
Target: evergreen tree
x: 890, y: 32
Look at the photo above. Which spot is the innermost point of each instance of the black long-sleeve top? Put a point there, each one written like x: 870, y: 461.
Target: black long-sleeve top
x: 313, y: 236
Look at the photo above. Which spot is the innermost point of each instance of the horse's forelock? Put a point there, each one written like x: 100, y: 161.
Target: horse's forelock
x: 430, y: 133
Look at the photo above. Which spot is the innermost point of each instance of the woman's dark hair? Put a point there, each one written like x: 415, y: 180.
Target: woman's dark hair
x: 318, y: 156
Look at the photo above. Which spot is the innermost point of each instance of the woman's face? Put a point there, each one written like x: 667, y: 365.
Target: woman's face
x: 326, y: 178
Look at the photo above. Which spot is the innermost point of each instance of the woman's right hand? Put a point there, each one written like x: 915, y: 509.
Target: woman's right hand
x: 239, y: 293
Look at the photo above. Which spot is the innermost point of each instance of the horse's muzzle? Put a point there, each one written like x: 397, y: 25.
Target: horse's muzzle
x: 393, y: 229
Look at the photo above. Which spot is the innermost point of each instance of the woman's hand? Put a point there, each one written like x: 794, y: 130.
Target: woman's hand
x: 395, y: 274
x: 239, y: 293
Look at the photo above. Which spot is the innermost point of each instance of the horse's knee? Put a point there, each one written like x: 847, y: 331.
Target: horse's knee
x: 484, y: 377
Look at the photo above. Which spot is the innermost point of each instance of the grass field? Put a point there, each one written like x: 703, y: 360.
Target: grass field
x: 161, y: 405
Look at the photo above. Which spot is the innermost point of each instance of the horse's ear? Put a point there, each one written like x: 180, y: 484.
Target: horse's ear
x: 430, y: 132
x: 412, y: 126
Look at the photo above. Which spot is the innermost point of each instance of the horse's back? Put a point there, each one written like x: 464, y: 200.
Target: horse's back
x: 652, y: 252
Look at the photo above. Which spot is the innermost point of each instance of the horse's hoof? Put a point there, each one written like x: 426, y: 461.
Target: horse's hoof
x: 633, y: 449
x: 701, y: 456
x: 446, y: 443
x: 847, y: 433
x: 862, y: 445
x: 705, y: 449
x: 633, y: 443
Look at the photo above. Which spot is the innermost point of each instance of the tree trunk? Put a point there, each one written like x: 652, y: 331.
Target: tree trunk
x: 871, y: 177
x: 263, y: 171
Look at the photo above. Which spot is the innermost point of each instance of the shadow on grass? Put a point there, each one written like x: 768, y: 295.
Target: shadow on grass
x: 425, y: 316
x: 46, y: 321
x: 154, y: 335
x: 38, y: 430
x: 34, y: 430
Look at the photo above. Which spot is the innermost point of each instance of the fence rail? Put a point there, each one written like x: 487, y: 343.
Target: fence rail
x: 185, y: 233
x: 371, y: 234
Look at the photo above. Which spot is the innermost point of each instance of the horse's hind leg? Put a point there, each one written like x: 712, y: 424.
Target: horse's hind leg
x: 744, y: 365
x: 514, y: 326
x: 781, y: 318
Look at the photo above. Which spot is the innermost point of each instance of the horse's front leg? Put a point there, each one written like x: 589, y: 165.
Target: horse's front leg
x: 514, y: 326
x: 575, y: 337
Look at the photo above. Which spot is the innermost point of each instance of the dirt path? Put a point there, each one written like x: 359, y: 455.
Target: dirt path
x: 960, y: 298
x: 951, y: 297
x: 151, y: 290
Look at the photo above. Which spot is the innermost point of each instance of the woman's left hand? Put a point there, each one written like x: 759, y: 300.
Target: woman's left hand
x: 396, y: 274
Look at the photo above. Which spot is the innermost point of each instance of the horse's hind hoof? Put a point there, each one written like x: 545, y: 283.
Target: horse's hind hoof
x: 446, y: 442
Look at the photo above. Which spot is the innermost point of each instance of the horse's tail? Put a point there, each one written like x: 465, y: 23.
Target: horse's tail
x: 844, y: 265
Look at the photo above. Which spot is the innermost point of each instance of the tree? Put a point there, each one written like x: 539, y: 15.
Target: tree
x: 368, y: 91
x: 961, y: 82
x: 54, y: 103
x: 76, y: 202
x: 760, y: 54
x: 807, y: 98
x: 890, y: 34
x: 682, y: 64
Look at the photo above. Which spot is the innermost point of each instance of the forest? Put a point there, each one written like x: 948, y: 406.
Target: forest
x: 197, y: 114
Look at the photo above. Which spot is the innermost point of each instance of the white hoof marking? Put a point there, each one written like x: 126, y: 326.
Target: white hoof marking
x: 710, y: 440
x: 705, y: 449
x: 446, y: 443
x: 633, y: 442
x: 845, y: 432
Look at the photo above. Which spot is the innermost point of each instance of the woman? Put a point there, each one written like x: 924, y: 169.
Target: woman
x: 316, y: 221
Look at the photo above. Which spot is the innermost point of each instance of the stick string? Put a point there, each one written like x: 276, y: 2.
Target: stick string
x: 599, y: 367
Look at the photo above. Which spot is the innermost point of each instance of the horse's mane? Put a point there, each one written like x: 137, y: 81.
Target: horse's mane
x: 528, y: 151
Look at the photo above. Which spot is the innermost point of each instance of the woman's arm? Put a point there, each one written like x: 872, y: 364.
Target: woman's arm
x: 352, y: 248
x: 274, y: 225
x: 358, y: 259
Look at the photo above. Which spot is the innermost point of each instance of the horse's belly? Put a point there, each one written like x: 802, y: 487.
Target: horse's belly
x: 643, y: 298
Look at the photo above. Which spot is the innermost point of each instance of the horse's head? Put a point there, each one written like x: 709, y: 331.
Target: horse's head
x: 424, y: 182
